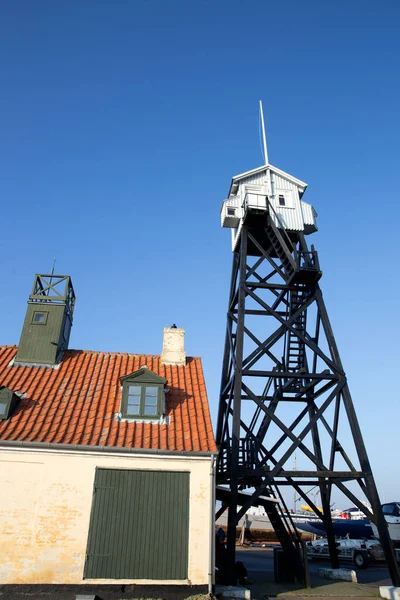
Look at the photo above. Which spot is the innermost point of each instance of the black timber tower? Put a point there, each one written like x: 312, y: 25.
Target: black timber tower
x: 283, y: 386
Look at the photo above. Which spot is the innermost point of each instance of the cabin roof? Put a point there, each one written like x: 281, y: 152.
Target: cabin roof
x: 294, y: 180
x: 76, y: 403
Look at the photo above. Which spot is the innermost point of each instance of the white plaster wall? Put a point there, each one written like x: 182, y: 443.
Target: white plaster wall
x: 45, y: 503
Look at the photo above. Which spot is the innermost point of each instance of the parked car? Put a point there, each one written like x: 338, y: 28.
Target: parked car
x: 360, y: 551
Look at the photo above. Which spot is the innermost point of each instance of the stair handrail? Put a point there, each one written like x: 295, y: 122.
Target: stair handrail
x: 284, y: 232
x: 313, y: 254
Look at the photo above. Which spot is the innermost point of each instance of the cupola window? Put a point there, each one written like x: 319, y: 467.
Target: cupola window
x: 39, y: 317
x: 143, y: 395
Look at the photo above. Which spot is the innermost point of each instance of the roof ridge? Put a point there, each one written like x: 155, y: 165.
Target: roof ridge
x: 87, y: 351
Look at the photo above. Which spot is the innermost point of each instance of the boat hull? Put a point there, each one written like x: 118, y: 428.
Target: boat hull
x: 394, y: 530
x: 357, y: 529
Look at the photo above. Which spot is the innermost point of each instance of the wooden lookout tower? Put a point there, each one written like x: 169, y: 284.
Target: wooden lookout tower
x: 283, y: 386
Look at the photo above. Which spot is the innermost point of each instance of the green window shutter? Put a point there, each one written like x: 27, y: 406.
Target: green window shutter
x: 139, y: 525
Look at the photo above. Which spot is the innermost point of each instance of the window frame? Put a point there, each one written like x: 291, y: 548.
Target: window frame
x: 42, y: 312
x: 143, y: 379
x: 10, y: 400
x: 288, y: 199
x: 4, y: 416
x: 142, y: 404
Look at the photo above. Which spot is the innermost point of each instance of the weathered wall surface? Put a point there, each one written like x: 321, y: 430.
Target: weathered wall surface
x: 45, y: 502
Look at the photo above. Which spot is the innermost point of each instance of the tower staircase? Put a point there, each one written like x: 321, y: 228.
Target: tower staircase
x: 281, y: 249
x: 295, y: 568
x: 298, y: 266
x: 295, y: 353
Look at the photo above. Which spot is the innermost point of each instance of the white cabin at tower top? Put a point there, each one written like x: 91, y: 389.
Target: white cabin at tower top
x: 267, y: 189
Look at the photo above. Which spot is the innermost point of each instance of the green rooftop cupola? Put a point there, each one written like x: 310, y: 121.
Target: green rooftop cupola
x: 48, y: 320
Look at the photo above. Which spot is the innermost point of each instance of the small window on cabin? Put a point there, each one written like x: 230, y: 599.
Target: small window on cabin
x: 231, y: 212
x: 39, y: 317
x: 281, y: 200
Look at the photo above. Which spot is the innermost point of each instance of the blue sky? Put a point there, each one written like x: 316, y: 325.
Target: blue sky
x: 121, y: 125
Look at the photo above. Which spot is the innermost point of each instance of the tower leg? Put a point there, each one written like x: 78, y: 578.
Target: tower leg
x: 372, y: 492
x: 237, y: 394
x: 371, y: 489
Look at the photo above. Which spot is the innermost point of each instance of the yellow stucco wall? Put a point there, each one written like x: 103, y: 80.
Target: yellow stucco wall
x: 45, y: 502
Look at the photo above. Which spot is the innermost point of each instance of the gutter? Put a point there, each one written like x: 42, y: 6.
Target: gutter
x: 102, y: 449
x: 211, y: 564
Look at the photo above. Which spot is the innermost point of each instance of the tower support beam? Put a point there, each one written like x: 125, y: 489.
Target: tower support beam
x: 237, y: 385
x: 284, y: 390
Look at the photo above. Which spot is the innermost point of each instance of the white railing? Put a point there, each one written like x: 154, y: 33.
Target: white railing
x: 255, y: 200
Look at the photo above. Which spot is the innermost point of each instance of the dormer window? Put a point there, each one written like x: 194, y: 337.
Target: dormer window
x: 142, y: 400
x: 143, y: 395
x: 8, y: 402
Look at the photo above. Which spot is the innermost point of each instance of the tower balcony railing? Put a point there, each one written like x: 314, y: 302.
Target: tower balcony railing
x: 249, y: 456
x: 255, y: 200
x: 56, y: 289
x: 307, y: 260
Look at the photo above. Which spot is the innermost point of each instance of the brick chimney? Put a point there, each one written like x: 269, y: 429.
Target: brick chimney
x: 173, y: 352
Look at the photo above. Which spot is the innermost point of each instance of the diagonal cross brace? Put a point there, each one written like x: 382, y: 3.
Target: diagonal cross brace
x: 304, y: 339
x: 297, y: 440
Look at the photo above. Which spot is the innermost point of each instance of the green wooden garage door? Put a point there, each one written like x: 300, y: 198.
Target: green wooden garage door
x: 139, y: 525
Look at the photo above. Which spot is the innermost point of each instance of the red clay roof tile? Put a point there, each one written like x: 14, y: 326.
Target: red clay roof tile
x: 76, y: 403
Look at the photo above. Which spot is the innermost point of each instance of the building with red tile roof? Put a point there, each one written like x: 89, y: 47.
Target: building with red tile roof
x: 106, y: 459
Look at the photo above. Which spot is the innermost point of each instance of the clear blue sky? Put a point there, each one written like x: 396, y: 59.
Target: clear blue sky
x: 122, y: 123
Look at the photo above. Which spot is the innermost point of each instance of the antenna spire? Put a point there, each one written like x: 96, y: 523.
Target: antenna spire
x: 51, y: 275
x: 263, y: 134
